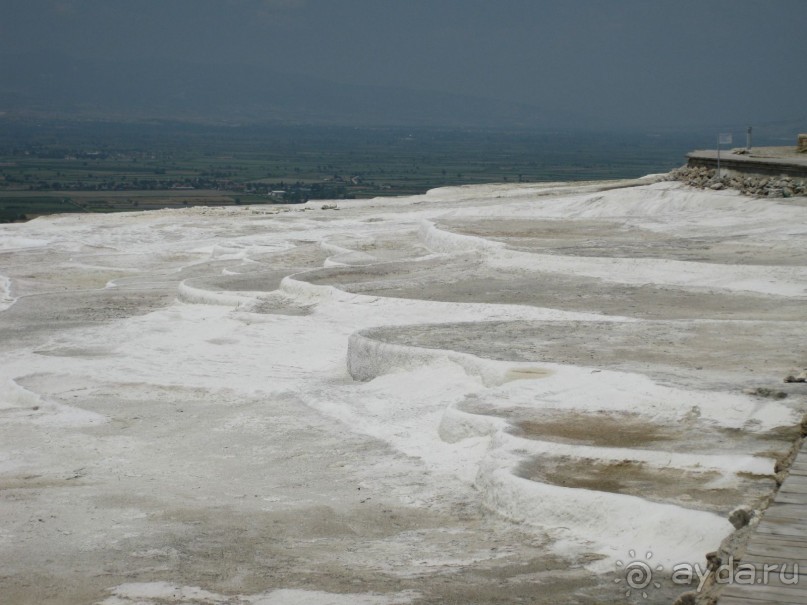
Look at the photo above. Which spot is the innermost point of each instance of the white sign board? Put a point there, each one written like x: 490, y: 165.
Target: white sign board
x: 724, y: 138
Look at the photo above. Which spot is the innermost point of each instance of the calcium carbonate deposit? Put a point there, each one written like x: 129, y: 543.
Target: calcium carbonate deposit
x: 487, y: 394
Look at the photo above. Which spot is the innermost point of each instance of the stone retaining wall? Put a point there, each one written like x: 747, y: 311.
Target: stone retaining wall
x: 757, y: 185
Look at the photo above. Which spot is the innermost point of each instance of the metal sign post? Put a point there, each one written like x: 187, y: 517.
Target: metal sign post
x: 724, y: 138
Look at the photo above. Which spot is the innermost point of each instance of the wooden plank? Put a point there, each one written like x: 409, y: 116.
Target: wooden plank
x: 759, y: 560
x: 743, y: 600
x: 776, y: 552
x: 790, y: 567
x: 782, y: 520
x: 784, y: 539
x: 763, y: 559
x: 782, y: 574
x: 781, y: 527
x: 762, y: 592
x: 795, y: 483
x: 779, y: 512
x: 786, y: 510
x: 794, y: 487
x: 789, y: 579
x: 772, y: 538
x: 768, y: 597
x: 776, y: 504
x: 775, y: 549
x: 790, y: 498
x: 779, y: 540
x: 785, y: 497
x: 770, y: 594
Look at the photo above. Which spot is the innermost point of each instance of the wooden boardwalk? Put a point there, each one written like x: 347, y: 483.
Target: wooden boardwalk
x: 780, y: 540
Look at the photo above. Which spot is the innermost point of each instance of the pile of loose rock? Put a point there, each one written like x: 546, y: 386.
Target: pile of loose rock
x: 757, y: 185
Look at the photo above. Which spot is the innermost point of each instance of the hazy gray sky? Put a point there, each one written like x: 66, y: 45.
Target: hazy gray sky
x: 640, y: 62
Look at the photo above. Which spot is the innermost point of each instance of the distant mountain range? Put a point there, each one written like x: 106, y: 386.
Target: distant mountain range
x: 59, y: 86
x: 47, y: 85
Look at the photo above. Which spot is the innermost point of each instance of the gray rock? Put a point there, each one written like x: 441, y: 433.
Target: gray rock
x: 766, y: 392
x: 688, y: 598
x: 740, y: 517
x: 797, y: 376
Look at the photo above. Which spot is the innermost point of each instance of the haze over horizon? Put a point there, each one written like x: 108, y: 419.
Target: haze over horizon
x: 624, y: 64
